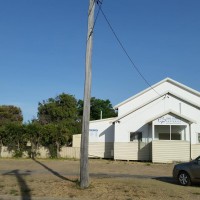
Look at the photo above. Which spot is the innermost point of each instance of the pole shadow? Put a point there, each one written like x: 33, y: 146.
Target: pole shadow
x: 55, y: 173
x: 25, y: 191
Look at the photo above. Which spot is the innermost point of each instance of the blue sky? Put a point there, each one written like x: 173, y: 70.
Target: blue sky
x: 42, y: 48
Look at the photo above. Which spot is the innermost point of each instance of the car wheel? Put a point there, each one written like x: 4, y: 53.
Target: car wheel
x: 184, y: 178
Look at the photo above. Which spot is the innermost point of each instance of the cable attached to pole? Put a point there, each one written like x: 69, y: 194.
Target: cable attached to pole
x: 123, y: 48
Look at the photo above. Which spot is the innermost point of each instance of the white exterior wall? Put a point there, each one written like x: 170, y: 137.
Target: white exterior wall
x: 137, y: 121
x: 141, y: 121
x: 141, y: 99
x: 101, y: 131
x: 138, y: 114
x: 148, y: 95
x: 101, y: 138
x: 195, y: 150
x: 165, y: 151
x: 132, y: 151
x: 101, y: 149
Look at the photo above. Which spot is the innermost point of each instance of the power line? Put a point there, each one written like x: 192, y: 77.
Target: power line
x: 123, y: 48
x: 99, y: 3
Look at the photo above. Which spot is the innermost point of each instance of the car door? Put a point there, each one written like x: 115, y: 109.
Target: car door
x: 195, y: 168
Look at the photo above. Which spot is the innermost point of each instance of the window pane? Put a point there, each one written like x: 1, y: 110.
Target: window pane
x: 164, y: 136
x: 176, y: 136
x: 135, y: 136
x: 162, y: 132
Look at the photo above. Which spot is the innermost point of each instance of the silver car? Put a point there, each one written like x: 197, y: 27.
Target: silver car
x: 187, y: 173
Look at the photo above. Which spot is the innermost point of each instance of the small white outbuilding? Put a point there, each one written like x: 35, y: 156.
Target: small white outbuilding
x: 159, y: 124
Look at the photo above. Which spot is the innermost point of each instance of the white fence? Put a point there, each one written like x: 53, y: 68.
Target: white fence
x: 42, y: 152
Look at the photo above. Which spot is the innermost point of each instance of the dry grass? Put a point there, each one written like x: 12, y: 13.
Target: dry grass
x: 109, y: 180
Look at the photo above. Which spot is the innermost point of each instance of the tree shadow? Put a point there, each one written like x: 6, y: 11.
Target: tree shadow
x: 25, y: 191
x: 54, y: 172
x: 171, y: 180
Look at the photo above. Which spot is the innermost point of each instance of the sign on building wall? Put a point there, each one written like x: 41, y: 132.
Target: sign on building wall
x: 168, y: 120
x: 93, y: 133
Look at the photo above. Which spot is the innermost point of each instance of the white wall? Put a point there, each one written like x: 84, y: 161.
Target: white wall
x: 141, y: 99
x: 137, y: 121
x: 162, y: 88
x: 164, y: 151
x: 101, y: 131
x: 132, y: 151
x: 101, y: 138
x: 137, y: 113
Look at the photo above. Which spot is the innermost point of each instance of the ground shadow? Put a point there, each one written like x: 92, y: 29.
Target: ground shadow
x: 166, y: 179
x: 25, y: 191
x: 54, y: 172
x: 171, y: 180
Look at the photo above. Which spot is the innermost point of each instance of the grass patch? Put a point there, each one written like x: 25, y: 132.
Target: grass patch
x: 31, y: 180
x: 152, y: 192
x: 148, y: 164
x: 14, y: 192
x: 196, y: 193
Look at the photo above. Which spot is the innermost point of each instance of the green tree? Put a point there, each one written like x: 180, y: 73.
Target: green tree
x: 2, y: 137
x: 33, y: 134
x: 54, y: 136
x: 96, y: 107
x: 15, y: 138
x: 60, y: 119
x: 63, y: 107
x: 8, y: 115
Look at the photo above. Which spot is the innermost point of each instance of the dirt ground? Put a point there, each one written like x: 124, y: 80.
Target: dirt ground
x: 25, y: 179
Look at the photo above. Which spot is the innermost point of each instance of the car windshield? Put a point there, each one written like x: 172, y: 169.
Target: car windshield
x: 198, y: 158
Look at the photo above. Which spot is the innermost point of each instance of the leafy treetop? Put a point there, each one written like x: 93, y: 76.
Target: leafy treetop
x: 96, y: 107
x: 53, y: 110
x: 9, y: 113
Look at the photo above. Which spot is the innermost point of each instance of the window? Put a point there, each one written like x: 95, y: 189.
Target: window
x: 135, y: 136
x: 175, y: 136
x: 198, y: 137
x: 164, y: 136
x: 170, y: 132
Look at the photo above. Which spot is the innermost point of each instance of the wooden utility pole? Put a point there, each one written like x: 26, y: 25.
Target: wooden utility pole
x: 84, y: 172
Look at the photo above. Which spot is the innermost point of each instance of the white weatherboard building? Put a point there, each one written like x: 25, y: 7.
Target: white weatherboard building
x: 160, y: 124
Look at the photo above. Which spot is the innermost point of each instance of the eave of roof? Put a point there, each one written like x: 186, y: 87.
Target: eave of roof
x: 102, y: 120
x: 155, y: 98
x: 195, y: 92
x: 188, y: 119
